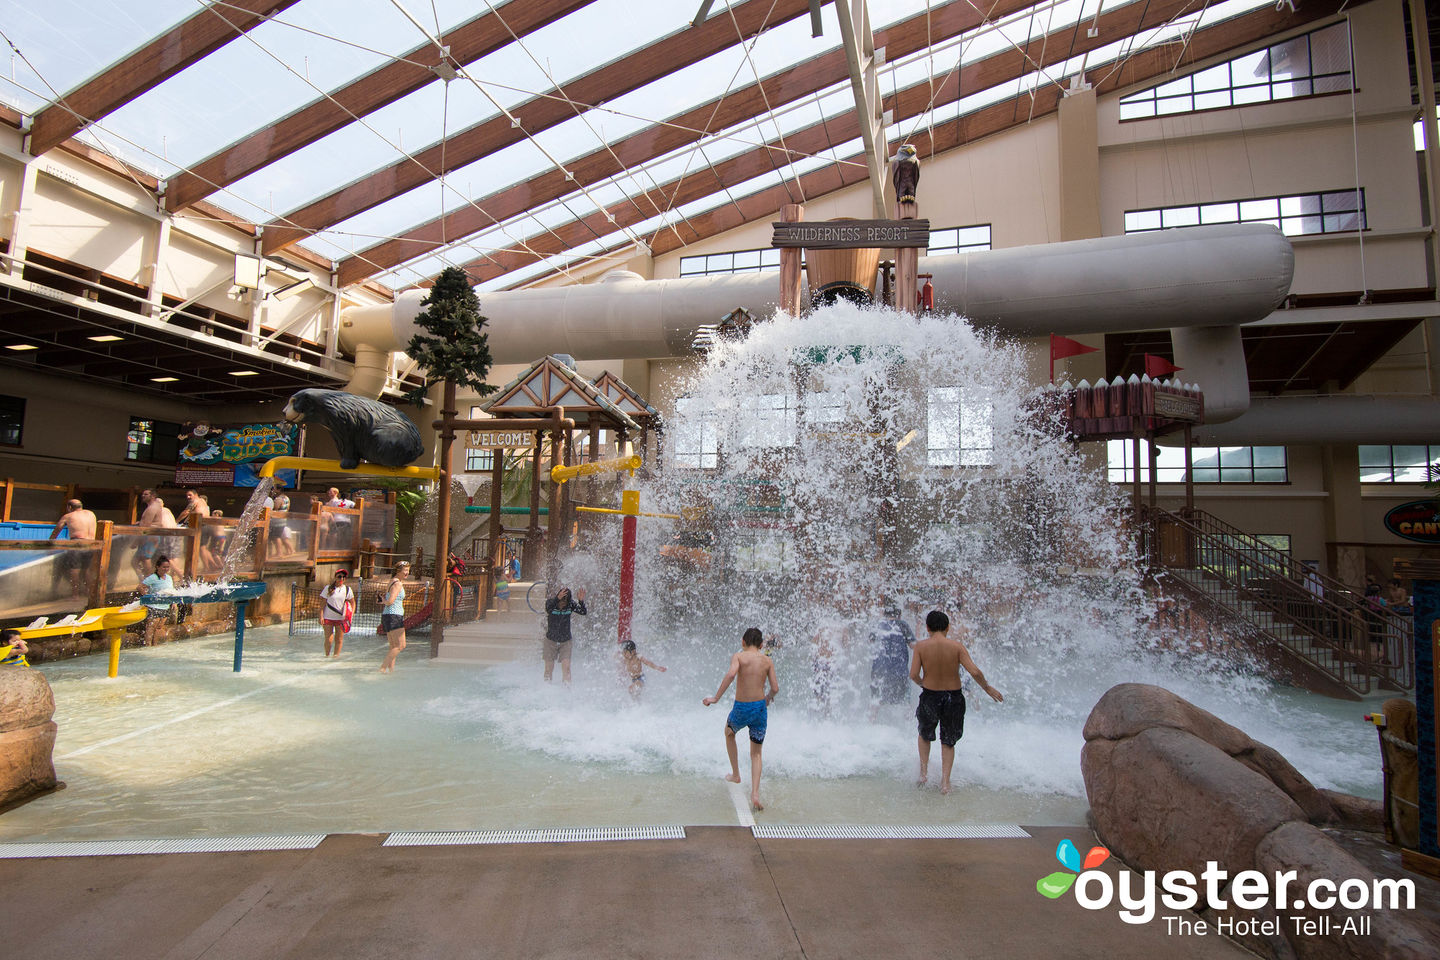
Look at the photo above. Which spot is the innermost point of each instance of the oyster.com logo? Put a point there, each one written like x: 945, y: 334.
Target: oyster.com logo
x: 1059, y: 883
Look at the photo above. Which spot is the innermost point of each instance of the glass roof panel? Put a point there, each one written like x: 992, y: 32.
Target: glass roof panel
x: 67, y: 41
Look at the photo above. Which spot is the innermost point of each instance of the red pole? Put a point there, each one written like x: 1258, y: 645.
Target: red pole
x: 627, y: 577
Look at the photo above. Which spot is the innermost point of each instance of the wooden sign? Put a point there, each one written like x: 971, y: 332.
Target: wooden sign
x: 852, y: 234
x: 1174, y: 407
x: 499, y: 439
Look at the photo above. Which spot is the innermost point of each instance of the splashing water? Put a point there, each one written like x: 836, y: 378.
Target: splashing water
x: 831, y: 466
x: 242, y: 542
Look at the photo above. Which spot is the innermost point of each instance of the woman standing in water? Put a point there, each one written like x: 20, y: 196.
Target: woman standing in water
x: 392, y: 615
x: 338, y: 604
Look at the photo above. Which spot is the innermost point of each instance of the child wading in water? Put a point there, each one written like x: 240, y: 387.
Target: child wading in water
x: 751, y: 670
x: 635, y: 665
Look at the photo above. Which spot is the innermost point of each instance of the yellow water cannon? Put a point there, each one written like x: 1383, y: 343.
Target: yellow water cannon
x: 333, y: 466
x: 563, y: 474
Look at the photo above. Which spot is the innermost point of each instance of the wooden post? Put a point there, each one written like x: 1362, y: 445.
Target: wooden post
x: 192, y: 548
x: 440, y: 610
x: 10, y: 498
x: 1154, y: 462
x: 262, y: 540
x: 1189, y: 474
x: 907, y: 265
x: 100, y: 587
x: 531, y: 557
x: 497, y: 481
x: 134, y: 506
x: 790, y: 264
x: 314, y: 534
x: 555, y: 525
x: 594, y: 443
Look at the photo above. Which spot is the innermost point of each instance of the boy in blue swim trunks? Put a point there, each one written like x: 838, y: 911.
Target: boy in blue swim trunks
x: 751, y: 670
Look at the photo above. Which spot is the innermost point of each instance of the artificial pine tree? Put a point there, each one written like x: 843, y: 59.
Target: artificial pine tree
x: 454, y: 349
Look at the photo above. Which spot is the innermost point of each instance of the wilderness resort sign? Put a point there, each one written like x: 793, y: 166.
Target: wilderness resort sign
x: 850, y: 234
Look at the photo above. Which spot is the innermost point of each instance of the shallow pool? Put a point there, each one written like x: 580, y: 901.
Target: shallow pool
x: 178, y: 745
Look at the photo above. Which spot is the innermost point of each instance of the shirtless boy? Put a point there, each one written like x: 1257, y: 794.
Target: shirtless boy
x: 751, y: 670
x: 936, y: 667
x: 81, y: 525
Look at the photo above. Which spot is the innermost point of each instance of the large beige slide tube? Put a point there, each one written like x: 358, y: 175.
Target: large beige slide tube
x: 1200, y: 277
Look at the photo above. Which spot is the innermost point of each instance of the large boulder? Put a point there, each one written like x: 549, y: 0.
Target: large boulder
x: 1173, y: 787
x: 27, y: 734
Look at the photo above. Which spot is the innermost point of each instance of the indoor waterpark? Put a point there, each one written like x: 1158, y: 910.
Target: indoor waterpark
x: 413, y: 511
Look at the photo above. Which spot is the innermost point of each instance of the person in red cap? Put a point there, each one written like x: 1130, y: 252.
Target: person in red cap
x: 338, y: 608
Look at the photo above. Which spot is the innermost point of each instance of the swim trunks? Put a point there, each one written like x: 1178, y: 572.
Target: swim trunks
x: 391, y: 621
x: 945, y: 707
x: 748, y: 713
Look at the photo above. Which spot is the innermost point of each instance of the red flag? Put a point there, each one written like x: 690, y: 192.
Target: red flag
x: 1157, y: 367
x: 1062, y: 347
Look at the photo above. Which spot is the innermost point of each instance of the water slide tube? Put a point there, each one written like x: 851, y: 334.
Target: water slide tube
x: 1202, y: 280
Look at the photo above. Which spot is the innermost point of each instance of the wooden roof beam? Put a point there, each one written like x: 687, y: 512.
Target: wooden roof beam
x: 1146, y: 65
x: 468, y: 42
x: 787, y: 86
x: 616, y: 78
x: 146, y: 68
x: 910, y: 102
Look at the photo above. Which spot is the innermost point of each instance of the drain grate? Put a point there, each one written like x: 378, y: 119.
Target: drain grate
x: 125, y: 848
x: 554, y: 835
x: 843, y: 831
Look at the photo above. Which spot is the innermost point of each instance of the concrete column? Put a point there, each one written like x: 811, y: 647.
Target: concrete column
x: 1344, y: 523
x: 1079, y: 166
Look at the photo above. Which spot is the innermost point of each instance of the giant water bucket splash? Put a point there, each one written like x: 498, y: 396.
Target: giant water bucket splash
x: 831, y: 464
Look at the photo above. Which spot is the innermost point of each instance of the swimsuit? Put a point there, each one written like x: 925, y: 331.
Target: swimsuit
x: 748, y: 713
x: 945, y: 707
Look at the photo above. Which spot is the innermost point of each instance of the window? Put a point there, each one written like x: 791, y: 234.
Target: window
x: 12, y: 420
x: 737, y: 261
x: 826, y: 406
x: 956, y: 239
x: 1410, y: 463
x: 960, y: 430
x: 1340, y: 211
x: 152, y: 441
x: 1313, y: 63
x: 1211, y: 464
x: 767, y: 420
x: 696, y: 437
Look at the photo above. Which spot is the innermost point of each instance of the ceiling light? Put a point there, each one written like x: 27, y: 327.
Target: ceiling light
x: 294, y: 290
x: 243, y: 373
x: 17, y: 347
x: 163, y: 379
x: 105, y: 338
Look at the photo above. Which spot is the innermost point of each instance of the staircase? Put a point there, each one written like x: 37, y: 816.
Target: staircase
x: 1317, y: 631
x: 499, y: 638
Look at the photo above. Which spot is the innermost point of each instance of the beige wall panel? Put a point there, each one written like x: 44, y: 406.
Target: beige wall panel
x: 192, y: 266
x: 1010, y: 180
x: 1395, y: 263
x: 310, y: 311
x: 10, y: 173
x: 1404, y: 369
x: 72, y: 224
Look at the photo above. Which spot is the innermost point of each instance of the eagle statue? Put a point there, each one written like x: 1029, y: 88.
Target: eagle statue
x: 905, y: 173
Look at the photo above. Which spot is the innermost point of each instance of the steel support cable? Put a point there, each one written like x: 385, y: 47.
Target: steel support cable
x: 357, y: 119
x: 765, y: 99
x: 582, y: 114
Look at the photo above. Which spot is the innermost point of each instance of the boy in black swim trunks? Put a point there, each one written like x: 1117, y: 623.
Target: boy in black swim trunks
x: 936, y: 667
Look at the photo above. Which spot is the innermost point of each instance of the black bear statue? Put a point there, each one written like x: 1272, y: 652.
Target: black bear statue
x: 363, y: 429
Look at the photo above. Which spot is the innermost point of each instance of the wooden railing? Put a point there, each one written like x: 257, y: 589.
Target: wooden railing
x: 1312, y: 617
x: 123, y: 554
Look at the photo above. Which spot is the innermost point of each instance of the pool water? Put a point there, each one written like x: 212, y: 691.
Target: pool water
x: 178, y: 745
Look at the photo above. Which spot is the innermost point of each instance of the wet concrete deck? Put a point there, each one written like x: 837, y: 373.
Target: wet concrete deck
x: 718, y: 893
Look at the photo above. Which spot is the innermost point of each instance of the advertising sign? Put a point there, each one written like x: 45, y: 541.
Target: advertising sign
x: 231, y: 455
x: 1418, y: 520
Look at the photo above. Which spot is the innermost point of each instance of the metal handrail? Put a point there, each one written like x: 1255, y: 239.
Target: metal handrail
x: 1335, y: 636
x: 1396, y: 630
